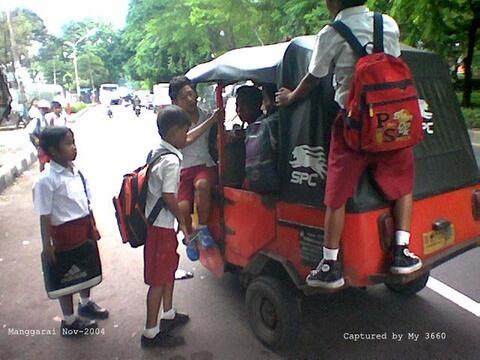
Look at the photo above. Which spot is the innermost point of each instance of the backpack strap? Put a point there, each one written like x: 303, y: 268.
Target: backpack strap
x: 378, y: 33
x: 85, y: 189
x: 159, y: 205
x: 358, y: 49
x: 351, y: 39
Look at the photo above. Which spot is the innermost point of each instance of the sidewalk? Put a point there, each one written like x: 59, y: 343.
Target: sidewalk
x: 17, y: 153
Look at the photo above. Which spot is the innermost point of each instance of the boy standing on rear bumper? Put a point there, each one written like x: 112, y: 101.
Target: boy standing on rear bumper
x: 345, y: 166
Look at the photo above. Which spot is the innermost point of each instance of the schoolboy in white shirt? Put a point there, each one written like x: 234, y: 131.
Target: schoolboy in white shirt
x: 345, y: 166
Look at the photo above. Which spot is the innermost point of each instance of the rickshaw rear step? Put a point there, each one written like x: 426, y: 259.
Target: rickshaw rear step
x: 428, y: 264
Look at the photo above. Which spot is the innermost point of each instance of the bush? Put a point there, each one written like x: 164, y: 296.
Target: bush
x: 471, y: 114
x: 77, y: 106
x: 472, y: 117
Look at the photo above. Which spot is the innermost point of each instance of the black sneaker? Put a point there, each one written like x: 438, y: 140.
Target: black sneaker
x: 78, y: 327
x: 328, y: 274
x: 92, y: 311
x: 178, y: 320
x: 162, y: 339
x: 404, y: 262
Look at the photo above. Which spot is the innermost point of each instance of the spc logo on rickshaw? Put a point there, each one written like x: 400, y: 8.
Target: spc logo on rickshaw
x: 427, y: 116
x: 305, y: 156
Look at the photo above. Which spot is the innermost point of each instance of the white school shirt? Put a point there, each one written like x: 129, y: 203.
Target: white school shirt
x: 164, y: 178
x: 197, y: 152
x: 54, y: 120
x: 330, y: 47
x: 60, y: 193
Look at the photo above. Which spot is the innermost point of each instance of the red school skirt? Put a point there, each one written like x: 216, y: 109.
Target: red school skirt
x: 72, y: 234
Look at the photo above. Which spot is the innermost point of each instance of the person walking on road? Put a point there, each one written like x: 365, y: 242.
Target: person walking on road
x: 35, y: 128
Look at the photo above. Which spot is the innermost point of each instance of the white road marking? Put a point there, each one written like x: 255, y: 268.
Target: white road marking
x: 454, y: 296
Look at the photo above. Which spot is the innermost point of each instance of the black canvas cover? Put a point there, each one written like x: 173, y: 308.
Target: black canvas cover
x: 444, y: 160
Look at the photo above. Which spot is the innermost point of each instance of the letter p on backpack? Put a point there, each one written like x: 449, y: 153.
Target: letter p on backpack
x: 382, y: 111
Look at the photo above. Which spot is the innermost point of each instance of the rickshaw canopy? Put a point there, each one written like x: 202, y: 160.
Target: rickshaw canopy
x: 444, y: 160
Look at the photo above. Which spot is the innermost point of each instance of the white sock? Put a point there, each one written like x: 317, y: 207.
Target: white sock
x: 84, y: 301
x: 69, y: 319
x: 402, y: 237
x: 169, y: 315
x: 151, y: 333
x: 330, y: 254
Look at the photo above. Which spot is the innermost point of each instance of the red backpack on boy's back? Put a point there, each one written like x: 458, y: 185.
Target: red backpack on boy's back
x: 382, y: 112
x: 130, y: 203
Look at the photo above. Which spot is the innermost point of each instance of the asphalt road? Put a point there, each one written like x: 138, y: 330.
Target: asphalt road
x: 219, y: 329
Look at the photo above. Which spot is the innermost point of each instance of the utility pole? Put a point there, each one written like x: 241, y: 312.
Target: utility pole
x: 74, y: 47
x: 55, y: 70
x: 75, y: 65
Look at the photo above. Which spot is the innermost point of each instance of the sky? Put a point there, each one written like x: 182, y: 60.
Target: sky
x: 55, y: 13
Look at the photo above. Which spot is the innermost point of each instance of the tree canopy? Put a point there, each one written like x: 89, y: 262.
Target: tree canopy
x: 163, y: 38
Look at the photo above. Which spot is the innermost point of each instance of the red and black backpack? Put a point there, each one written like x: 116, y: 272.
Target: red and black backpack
x: 130, y: 203
x: 382, y: 112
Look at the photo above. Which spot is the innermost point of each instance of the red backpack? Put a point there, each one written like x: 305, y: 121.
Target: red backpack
x: 382, y: 112
x: 130, y: 203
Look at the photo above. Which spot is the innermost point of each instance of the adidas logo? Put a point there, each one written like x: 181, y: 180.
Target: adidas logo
x: 74, y: 273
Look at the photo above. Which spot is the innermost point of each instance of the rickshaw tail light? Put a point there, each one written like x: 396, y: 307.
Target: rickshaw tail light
x: 386, y: 230
x: 476, y: 205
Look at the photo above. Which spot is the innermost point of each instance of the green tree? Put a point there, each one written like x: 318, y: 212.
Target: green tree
x: 93, y: 69
x: 448, y: 27
x: 29, y: 29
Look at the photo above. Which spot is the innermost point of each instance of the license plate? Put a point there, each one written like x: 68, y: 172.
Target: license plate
x: 436, y: 240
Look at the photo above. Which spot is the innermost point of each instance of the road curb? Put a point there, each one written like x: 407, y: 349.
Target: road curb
x: 474, y: 135
x: 9, y: 173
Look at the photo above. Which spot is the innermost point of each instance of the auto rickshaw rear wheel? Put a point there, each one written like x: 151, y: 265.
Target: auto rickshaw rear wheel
x: 410, y: 288
x: 273, y: 312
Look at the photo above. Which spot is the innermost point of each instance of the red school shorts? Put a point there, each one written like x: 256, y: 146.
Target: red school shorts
x: 393, y: 171
x: 160, y: 256
x: 188, y: 178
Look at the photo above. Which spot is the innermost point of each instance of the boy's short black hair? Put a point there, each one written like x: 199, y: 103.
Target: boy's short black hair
x: 251, y: 94
x: 51, y: 137
x: 350, y: 3
x: 177, y: 84
x: 172, y: 116
x: 55, y: 105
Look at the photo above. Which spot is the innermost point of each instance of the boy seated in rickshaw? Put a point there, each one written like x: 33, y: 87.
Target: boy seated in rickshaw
x: 261, y: 147
x: 392, y: 170
x: 251, y: 153
x: 249, y: 109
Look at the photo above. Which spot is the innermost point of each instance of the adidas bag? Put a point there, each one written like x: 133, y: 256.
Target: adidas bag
x: 74, y: 270
x: 261, y: 155
x: 382, y: 112
x: 130, y: 203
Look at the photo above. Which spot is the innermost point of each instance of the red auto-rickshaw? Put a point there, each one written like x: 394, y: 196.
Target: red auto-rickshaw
x: 274, y: 240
